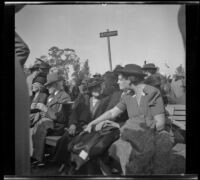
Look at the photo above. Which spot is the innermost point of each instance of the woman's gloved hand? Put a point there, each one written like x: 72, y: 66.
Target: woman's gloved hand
x: 72, y: 129
x: 88, y: 128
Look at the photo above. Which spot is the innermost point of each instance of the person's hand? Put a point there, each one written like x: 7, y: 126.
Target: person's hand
x: 33, y: 106
x: 84, y: 126
x: 100, y: 125
x: 72, y: 129
x: 42, y: 107
x: 88, y: 127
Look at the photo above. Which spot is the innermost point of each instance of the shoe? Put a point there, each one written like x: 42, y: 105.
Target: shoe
x: 34, y: 162
x: 40, y: 164
x: 114, y: 171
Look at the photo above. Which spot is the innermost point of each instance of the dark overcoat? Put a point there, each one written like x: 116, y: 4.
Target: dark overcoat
x: 53, y: 122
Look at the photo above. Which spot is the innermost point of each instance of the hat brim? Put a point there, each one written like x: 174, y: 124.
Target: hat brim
x: 40, y: 60
x: 123, y: 71
x: 50, y: 83
x: 92, y: 85
x: 145, y: 68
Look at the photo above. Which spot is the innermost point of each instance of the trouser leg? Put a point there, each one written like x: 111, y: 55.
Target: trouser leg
x: 61, y: 151
x: 39, y: 139
x: 121, y: 150
x: 31, y: 141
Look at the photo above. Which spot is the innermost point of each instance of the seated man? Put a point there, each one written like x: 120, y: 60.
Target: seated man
x: 38, y: 97
x: 79, y: 117
x: 52, y: 115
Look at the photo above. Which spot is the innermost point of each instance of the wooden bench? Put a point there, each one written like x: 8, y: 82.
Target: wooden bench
x: 177, y: 115
x: 52, y: 140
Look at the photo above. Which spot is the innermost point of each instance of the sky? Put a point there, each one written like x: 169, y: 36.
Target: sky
x: 145, y: 32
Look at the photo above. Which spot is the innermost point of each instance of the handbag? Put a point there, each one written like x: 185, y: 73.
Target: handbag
x: 86, y: 146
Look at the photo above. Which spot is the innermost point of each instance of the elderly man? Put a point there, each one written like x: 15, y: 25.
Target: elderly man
x: 53, y: 120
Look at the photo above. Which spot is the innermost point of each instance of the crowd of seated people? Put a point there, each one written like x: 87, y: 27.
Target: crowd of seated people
x: 132, y: 96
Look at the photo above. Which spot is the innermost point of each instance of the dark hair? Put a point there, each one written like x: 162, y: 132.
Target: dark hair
x: 152, y: 71
x: 134, y: 79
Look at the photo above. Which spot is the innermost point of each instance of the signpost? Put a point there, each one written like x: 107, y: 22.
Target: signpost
x: 108, y: 34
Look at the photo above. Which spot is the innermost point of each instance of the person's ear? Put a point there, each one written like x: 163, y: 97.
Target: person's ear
x: 128, y: 81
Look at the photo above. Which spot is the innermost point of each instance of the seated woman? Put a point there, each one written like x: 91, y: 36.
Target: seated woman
x: 142, y: 135
x: 53, y: 118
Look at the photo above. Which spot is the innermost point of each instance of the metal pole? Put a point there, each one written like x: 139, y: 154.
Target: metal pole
x: 109, y: 51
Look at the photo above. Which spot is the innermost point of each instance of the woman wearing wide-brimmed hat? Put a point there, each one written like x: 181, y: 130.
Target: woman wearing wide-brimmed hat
x: 138, y: 143
x: 53, y: 116
x: 87, y: 106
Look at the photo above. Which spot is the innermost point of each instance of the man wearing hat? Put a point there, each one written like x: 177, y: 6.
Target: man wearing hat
x: 142, y: 136
x: 89, y: 105
x: 155, y: 79
x: 39, y: 66
x: 149, y: 69
x: 39, y: 97
x: 53, y: 115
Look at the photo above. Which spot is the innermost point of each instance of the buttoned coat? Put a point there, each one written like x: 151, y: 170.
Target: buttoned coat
x: 53, y: 122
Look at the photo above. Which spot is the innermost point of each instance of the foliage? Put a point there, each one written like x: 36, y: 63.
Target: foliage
x: 62, y: 59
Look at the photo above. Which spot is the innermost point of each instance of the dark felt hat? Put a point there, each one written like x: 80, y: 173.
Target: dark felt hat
x: 43, y: 64
x: 97, y: 75
x: 117, y: 68
x: 53, y: 78
x: 34, y: 67
x: 132, y: 69
x: 94, y: 82
x: 40, y: 64
x: 149, y: 66
x: 153, y: 81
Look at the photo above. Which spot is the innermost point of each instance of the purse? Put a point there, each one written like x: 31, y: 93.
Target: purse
x: 86, y: 146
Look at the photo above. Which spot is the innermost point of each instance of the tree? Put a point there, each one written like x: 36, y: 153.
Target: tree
x: 61, y: 59
x: 85, y: 71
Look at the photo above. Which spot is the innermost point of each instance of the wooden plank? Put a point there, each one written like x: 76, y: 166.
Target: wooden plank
x: 169, y: 109
x: 180, y: 124
x: 179, y: 118
x: 179, y: 107
x: 52, y: 140
x: 179, y: 113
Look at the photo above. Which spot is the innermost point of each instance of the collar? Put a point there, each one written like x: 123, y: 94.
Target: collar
x: 56, y: 92
x: 141, y: 94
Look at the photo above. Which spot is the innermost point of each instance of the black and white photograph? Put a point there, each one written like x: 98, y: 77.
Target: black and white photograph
x: 100, y: 89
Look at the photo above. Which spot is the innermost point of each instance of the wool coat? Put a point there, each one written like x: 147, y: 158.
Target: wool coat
x: 53, y: 122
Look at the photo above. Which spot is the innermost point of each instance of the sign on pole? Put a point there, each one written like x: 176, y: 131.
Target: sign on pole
x: 108, y: 34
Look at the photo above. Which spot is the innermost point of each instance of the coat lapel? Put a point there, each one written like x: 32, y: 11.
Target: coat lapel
x: 54, y: 99
x: 93, y: 108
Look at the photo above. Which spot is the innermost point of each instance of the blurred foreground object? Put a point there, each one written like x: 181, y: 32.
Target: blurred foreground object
x: 22, y: 157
